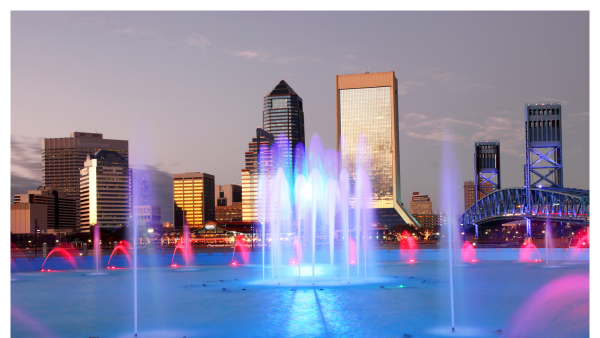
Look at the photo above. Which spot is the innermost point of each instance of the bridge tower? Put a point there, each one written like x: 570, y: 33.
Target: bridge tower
x: 487, y: 170
x: 543, y: 149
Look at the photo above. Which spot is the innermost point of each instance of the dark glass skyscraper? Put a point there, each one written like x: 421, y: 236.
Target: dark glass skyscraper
x: 283, y: 114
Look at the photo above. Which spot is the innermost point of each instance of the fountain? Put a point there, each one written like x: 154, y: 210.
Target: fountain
x: 97, y: 247
x: 122, y: 248
x: 62, y: 251
x: 584, y: 242
x: 307, y: 208
x: 243, y: 250
x: 467, y: 253
x: 449, y: 187
x: 407, y: 247
x: 317, y: 240
x: 529, y: 253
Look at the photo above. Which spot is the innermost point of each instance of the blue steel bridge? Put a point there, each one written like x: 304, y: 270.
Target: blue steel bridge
x: 543, y: 198
x: 547, y: 204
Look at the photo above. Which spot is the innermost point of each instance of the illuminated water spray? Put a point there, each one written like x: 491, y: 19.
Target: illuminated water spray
x: 309, y: 199
x: 449, y: 192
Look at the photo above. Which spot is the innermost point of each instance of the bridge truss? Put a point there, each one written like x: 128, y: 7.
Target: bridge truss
x: 555, y: 204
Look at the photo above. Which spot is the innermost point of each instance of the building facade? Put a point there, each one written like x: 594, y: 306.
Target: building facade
x: 255, y: 166
x: 105, y: 191
x: 60, y: 210
x: 193, y: 199
x: 469, y: 192
x: 226, y: 195
x: 64, y: 157
x: 433, y: 221
x: 229, y: 213
x: 367, y: 104
x: 25, y: 217
x: 420, y: 204
x: 283, y: 117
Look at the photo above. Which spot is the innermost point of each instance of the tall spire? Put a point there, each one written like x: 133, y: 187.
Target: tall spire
x: 282, y: 88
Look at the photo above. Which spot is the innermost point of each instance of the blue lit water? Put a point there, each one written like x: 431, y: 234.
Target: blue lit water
x: 174, y: 302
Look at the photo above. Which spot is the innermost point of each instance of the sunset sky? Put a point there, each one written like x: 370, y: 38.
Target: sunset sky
x: 186, y: 88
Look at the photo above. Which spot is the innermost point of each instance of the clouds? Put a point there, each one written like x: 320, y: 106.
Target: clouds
x: 249, y: 54
x: 134, y: 30
x: 26, y: 164
x: 505, y: 126
x: 198, y: 40
x: 26, y: 156
x: 271, y: 57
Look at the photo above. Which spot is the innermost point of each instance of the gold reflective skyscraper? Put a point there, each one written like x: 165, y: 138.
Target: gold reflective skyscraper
x: 368, y: 104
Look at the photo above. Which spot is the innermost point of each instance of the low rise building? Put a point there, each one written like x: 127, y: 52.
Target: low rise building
x: 61, y: 211
x: 25, y: 217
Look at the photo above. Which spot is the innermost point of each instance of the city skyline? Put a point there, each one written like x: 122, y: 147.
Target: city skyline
x: 116, y: 67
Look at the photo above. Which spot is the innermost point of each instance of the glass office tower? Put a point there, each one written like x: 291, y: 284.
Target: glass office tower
x: 283, y: 114
x: 254, y: 168
x: 368, y: 104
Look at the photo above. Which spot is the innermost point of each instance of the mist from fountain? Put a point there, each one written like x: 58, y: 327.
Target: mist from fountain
x: 97, y: 247
x: 450, y: 183
x: 407, y: 247
x: 467, y: 253
x: 308, y: 200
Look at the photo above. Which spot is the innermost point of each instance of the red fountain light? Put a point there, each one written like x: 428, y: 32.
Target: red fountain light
x: 123, y: 248
x: 468, y: 253
x: 527, y: 251
x: 65, y: 253
x: 233, y: 263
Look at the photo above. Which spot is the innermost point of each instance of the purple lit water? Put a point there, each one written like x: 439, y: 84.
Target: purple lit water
x: 173, y: 304
x: 317, y: 196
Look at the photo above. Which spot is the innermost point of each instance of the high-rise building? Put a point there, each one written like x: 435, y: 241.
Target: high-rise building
x: 193, y: 199
x: 252, y: 170
x: 226, y: 195
x: 368, y: 104
x: 105, y: 186
x: 283, y: 114
x: 60, y: 210
x: 420, y: 204
x: 62, y: 160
